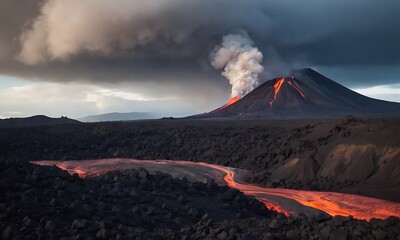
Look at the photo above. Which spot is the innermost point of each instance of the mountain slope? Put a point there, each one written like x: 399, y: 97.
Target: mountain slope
x: 305, y: 94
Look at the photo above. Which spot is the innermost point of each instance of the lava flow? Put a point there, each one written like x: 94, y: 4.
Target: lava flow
x: 291, y: 84
x: 287, y: 201
x: 230, y: 102
x: 277, y: 86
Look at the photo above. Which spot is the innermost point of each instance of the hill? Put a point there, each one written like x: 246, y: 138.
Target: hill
x: 34, y: 121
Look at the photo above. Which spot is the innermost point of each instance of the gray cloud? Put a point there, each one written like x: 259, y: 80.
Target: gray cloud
x: 168, y: 41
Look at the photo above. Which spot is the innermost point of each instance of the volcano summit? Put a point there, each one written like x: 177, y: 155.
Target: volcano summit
x: 305, y: 94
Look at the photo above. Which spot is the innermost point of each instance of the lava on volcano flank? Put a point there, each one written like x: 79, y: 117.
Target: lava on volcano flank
x: 230, y: 102
x: 278, y: 84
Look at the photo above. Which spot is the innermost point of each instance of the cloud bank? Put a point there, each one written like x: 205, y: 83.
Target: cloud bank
x: 152, y: 29
x: 169, y: 41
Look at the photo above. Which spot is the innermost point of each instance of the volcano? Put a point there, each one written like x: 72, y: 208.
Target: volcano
x: 304, y: 94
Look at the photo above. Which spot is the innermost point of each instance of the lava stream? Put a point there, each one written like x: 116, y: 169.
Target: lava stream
x: 329, y: 202
x: 230, y: 102
x: 291, y: 84
x: 277, y: 87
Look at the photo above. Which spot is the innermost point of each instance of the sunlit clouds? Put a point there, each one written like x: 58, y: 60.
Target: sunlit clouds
x: 390, y: 92
x: 78, y: 100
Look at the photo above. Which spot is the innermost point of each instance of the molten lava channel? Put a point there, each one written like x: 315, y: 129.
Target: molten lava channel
x: 277, y: 86
x: 230, y: 102
x: 332, y: 203
x: 291, y: 84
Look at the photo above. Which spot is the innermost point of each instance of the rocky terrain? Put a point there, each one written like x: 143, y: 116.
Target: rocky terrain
x: 47, y: 203
x: 349, y: 155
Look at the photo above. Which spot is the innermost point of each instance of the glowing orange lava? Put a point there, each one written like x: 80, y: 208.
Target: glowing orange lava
x: 277, y: 87
x: 230, y: 102
x: 332, y: 203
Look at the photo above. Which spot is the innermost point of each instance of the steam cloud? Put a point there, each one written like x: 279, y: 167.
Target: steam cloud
x: 241, y: 63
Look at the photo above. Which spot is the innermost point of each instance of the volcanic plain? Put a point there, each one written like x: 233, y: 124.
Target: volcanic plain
x: 348, y: 155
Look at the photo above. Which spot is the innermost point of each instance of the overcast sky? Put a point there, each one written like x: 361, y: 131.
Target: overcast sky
x: 81, y: 57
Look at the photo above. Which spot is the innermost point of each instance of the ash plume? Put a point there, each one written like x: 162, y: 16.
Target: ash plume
x: 241, y: 62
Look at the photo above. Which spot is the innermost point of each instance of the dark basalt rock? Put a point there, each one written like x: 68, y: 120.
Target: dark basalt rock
x: 47, y: 203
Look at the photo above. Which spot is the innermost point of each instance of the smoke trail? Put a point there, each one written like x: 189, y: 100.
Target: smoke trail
x: 240, y: 61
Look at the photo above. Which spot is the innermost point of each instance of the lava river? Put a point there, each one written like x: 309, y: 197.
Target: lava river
x: 287, y: 201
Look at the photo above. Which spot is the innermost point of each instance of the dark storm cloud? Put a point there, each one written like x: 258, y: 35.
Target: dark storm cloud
x: 170, y: 40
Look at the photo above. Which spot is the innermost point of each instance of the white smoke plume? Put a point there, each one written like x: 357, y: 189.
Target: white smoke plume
x: 240, y: 61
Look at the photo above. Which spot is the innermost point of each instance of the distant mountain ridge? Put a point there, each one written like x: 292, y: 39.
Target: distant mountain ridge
x: 304, y: 94
x: 35, y: 121
x: 116, y: 116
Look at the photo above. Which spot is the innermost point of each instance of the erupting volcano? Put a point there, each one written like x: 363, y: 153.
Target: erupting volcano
x: 305, y: 94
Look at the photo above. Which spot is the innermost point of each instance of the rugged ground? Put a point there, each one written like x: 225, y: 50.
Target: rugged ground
x: 348, y: 155
x: 39, y: 202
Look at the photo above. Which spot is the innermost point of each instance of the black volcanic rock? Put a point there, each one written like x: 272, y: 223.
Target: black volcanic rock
x: 305, y: 94
x: 101, y: 208
x: 35, y: 121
